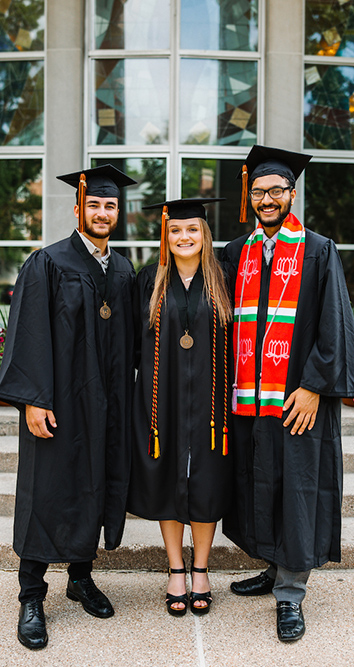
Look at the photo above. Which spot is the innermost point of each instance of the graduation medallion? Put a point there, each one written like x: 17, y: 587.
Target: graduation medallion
x: 105, y: 311
x: 186, y: 341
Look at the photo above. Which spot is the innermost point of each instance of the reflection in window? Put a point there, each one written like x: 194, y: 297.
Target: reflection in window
x: 219, y: 25
x: 131, y: 101
x: 133, y: 222
x: 20, y: 199
x: 329, y: 28
x: 21, y: 25
x: 329, y: 200
x: 218, y: 102
x: 329, y: 107
x: 132, y: 24
x: 217, y: 178
x: 347, y: 257
x: 11, y: 260
x: 21, y: 103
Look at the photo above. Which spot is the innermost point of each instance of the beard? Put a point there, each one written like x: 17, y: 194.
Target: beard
x: 278, y: 220
x: 105, y: 233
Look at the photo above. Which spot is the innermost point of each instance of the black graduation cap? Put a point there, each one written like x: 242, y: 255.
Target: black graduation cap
x: 103, y: 181
x: 263, y: 161
x: 182, y: 209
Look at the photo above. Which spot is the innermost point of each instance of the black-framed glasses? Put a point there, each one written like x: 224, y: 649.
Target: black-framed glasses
x: 275, y: 193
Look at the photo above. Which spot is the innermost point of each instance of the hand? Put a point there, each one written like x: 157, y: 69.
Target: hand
x: 36, y: 421
x: 305, y: 405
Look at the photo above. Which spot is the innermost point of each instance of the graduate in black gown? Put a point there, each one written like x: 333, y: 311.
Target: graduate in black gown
x: 294, y: 360
x: 180, y: 461
x: 68, y: 367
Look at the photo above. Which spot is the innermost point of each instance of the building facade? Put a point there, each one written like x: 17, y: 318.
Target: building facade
x: 174, y: 92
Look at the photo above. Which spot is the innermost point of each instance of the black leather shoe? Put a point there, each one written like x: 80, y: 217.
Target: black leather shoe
x: 290, y: 621
x: 260, y: 585
x: 31, y: 630
x: 91, y: 598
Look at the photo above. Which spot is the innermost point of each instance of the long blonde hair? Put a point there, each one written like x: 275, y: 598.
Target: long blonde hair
x: 212, y: 274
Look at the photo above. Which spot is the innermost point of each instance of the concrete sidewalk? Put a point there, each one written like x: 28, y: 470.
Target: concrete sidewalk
x: 238, y: 632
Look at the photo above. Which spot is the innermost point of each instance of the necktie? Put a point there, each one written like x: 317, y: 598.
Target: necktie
x: 268, y: 250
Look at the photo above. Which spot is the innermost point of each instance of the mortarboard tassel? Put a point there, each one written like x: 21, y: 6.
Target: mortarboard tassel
x: 244, y: 194
x: 163, y: 244
x: 81, y: 202
x: 212, y: 424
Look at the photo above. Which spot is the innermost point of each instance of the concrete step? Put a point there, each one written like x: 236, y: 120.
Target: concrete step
x: 142, y: 548
x: 8, y: 453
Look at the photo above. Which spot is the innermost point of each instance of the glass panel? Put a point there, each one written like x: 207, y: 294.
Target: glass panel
x: 132, y: 24
x: 329, y: 200
x: 347, y: 257
x: 219, y: 25
x: 11, y: 260
x: 21, y: 103
x: 22, y: 25
x: 20, y: 200
x: 131, y: 102
x: 217, y: 178
x: 218, y: 102
x: 134, y: 223
x: 329, y: 28
x: 329, y: 107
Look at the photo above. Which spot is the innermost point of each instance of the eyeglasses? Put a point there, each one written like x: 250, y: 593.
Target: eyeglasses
x: 274, y: 193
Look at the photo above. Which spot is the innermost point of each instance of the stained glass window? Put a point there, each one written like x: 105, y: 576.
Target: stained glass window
x: 132, y: 24
x: 21, y: 103
x: 329, y: 107
x: 219, y: 25
x: 131, y: 102
x: 329, y: 28
x: 217, y: 178
x: 218, y: 102
x: 20, y: 199
x: 21, y: 25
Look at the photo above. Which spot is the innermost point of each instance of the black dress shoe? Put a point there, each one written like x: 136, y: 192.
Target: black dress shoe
x: 91, y: 598
x: 260, y: 585
x: 290, y: 621
x: 31, y: 630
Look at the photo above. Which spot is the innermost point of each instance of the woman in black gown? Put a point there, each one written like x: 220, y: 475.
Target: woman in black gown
x: 180, y: 461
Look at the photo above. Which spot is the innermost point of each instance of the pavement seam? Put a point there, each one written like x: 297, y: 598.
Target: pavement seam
x: 199, y: 641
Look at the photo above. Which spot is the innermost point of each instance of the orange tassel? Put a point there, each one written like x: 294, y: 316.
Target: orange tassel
x: 157, y: 444
x: 163, y: 244
x: 212, y: 424
x: 244, y: 194
x: 225, y: 442
x: 81, y: 202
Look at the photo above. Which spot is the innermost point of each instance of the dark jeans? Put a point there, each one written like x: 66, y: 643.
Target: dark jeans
x: 31, y: 578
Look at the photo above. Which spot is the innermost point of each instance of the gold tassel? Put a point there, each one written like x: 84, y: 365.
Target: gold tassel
x: 81, y: 202
x: 212, y: 424
x: 244, y: 194
x: 163, y: 242
x: 225, y: 442
x: 157, y: 444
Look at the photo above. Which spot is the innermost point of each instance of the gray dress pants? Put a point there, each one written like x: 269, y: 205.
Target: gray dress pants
x: 288, y: 586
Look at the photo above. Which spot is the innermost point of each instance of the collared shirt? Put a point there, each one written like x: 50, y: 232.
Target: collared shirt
x: 273, y: 238
x: 103, y: 260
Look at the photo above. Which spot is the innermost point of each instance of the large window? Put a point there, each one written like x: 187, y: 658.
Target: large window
x: 173, y: 99
x: 329, y: 124
x: 21, y: 135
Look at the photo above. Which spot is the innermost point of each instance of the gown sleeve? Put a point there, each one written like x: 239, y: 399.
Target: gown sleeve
x: 329, y: 369
x: 26, y: 374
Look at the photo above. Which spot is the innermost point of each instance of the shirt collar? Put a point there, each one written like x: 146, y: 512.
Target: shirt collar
x: 93, y: 249
x: 274, y: 238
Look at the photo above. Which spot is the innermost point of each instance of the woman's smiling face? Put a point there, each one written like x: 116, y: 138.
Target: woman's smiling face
x: 185, y: 237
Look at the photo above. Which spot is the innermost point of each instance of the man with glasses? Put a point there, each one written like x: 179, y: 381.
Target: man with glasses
x: 294, y: 360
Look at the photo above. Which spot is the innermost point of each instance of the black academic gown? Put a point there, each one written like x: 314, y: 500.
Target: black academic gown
x: 189, y: 482
x: 62, y: 356
x: 287, y: 490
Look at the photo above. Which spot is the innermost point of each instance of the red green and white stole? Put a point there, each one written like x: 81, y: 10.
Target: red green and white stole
x: 284, y: 290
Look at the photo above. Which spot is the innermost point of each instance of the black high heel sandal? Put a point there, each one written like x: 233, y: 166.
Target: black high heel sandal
x: 172, y: 599
x: 202, y: 597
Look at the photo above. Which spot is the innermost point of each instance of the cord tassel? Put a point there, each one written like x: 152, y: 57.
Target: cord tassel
x: 81, y: 202
x: 225, y: 442
x: 212, y: 424
x: 244, y: 194
x: 163, y: 242
x: 157, y: 444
